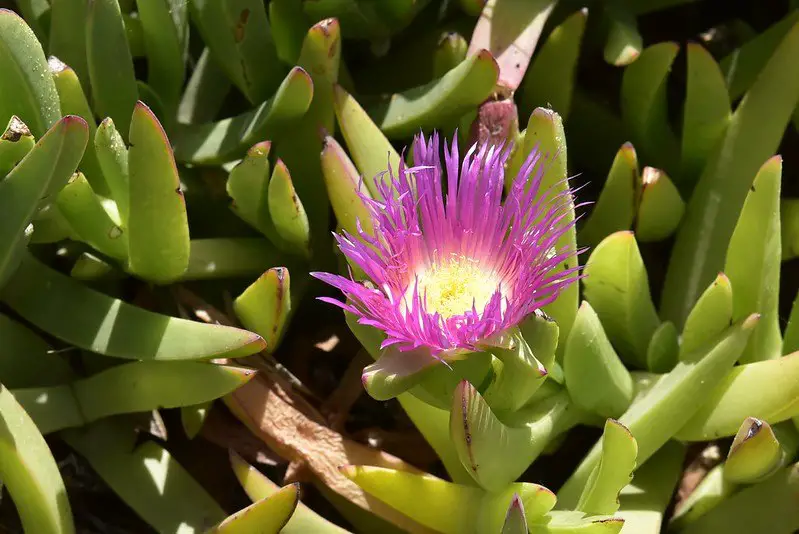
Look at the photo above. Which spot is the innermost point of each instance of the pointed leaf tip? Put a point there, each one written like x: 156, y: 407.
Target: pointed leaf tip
x: 754, y: 454
x: 515, y: 520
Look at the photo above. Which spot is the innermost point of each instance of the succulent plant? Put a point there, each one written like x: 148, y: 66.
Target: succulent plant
x: 600, y: 252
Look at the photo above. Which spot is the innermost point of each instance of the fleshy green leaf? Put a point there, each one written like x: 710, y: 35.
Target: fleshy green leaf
x: 165, y: 30
x: 264, y: 307
x: 222, y: 141
x: 711, y: 315
x: 289, y: 25
x: 230, y: 257
x: 433, y: 423
x: 617, y: 287
x: 258, y: 487
x: 753, y: 262
x: 91, y: 267
x: 49, y: 226
x: 193, y: 417
x: 158, y: 230
x: 113, y: 81
x: 449, y: 53
x: 248, y: 186
x: 286, y: 210
x: 299, y: 144
x: 519, y: 370
x: 34, y: 182
x: 345, y: 188
x: 706, y: 114
x: 789, y: 227
x: 129, y: 388
x: 73, y: 102
x: 515, y: 522
x: 472, y: 7
x: 205, y: 92
x: 26, y: 360
x: 267, y: 516
x: 134, y: 34
x: 767, y: 390
x: 494, y: 453
x: 396, y: 372
x: 68, y: 36
x: 596, y: 379
x: 616, y: 206
x: 659, y: 414
x: 29, y: 472
x: 572, y: 522
x: 372, y: 152
x: 613, y: 471
x: 26, y: 88
x: 112, y: 155
x: 550, y: 80
x: 664, y: 348
x: 624, y: 42
x: 645, y: 499
x: 468, y: 509
x: 441, y: 101
x: 753, y: 136
x: 743, y: 65
x: 754, y: 454
x: 660, y: 207
x: 15, y: 143
x: 545, y: 130
x: 146, y: 477
x: 88, y: 219
x: 643, y: 105
x: 82, y: 317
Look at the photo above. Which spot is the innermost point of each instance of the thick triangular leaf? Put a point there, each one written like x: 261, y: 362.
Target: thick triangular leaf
x: 613, y: 471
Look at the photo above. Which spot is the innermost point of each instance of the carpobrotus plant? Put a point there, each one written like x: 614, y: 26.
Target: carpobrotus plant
x: 170, y: 179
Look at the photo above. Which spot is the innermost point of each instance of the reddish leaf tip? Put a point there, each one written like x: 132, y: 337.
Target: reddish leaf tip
x: 485, y: 55
x: 74, y: 120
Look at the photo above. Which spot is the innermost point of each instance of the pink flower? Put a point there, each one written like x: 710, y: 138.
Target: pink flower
x: 451, y: 270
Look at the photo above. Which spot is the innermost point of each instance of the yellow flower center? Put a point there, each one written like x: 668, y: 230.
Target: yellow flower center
x: 453, y: 285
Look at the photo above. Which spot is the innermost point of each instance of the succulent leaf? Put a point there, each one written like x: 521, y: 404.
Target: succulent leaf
x: 32, y: 184
x: 550, y: 79
x: 158, y: 228
x: 617, y: 287
x: 596, y: 379
x: 88, y: 319
x: 113, y: 80
x: 753, y: 262
x: 30, y: 473
x: 265, y: 306
x: 28, y: 90
x: 616, y: 206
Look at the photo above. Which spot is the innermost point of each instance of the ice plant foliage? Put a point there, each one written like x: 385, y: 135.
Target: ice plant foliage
x: 453, y: 270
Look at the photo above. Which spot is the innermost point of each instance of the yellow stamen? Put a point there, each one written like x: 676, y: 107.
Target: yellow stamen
x: 453, y: 285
